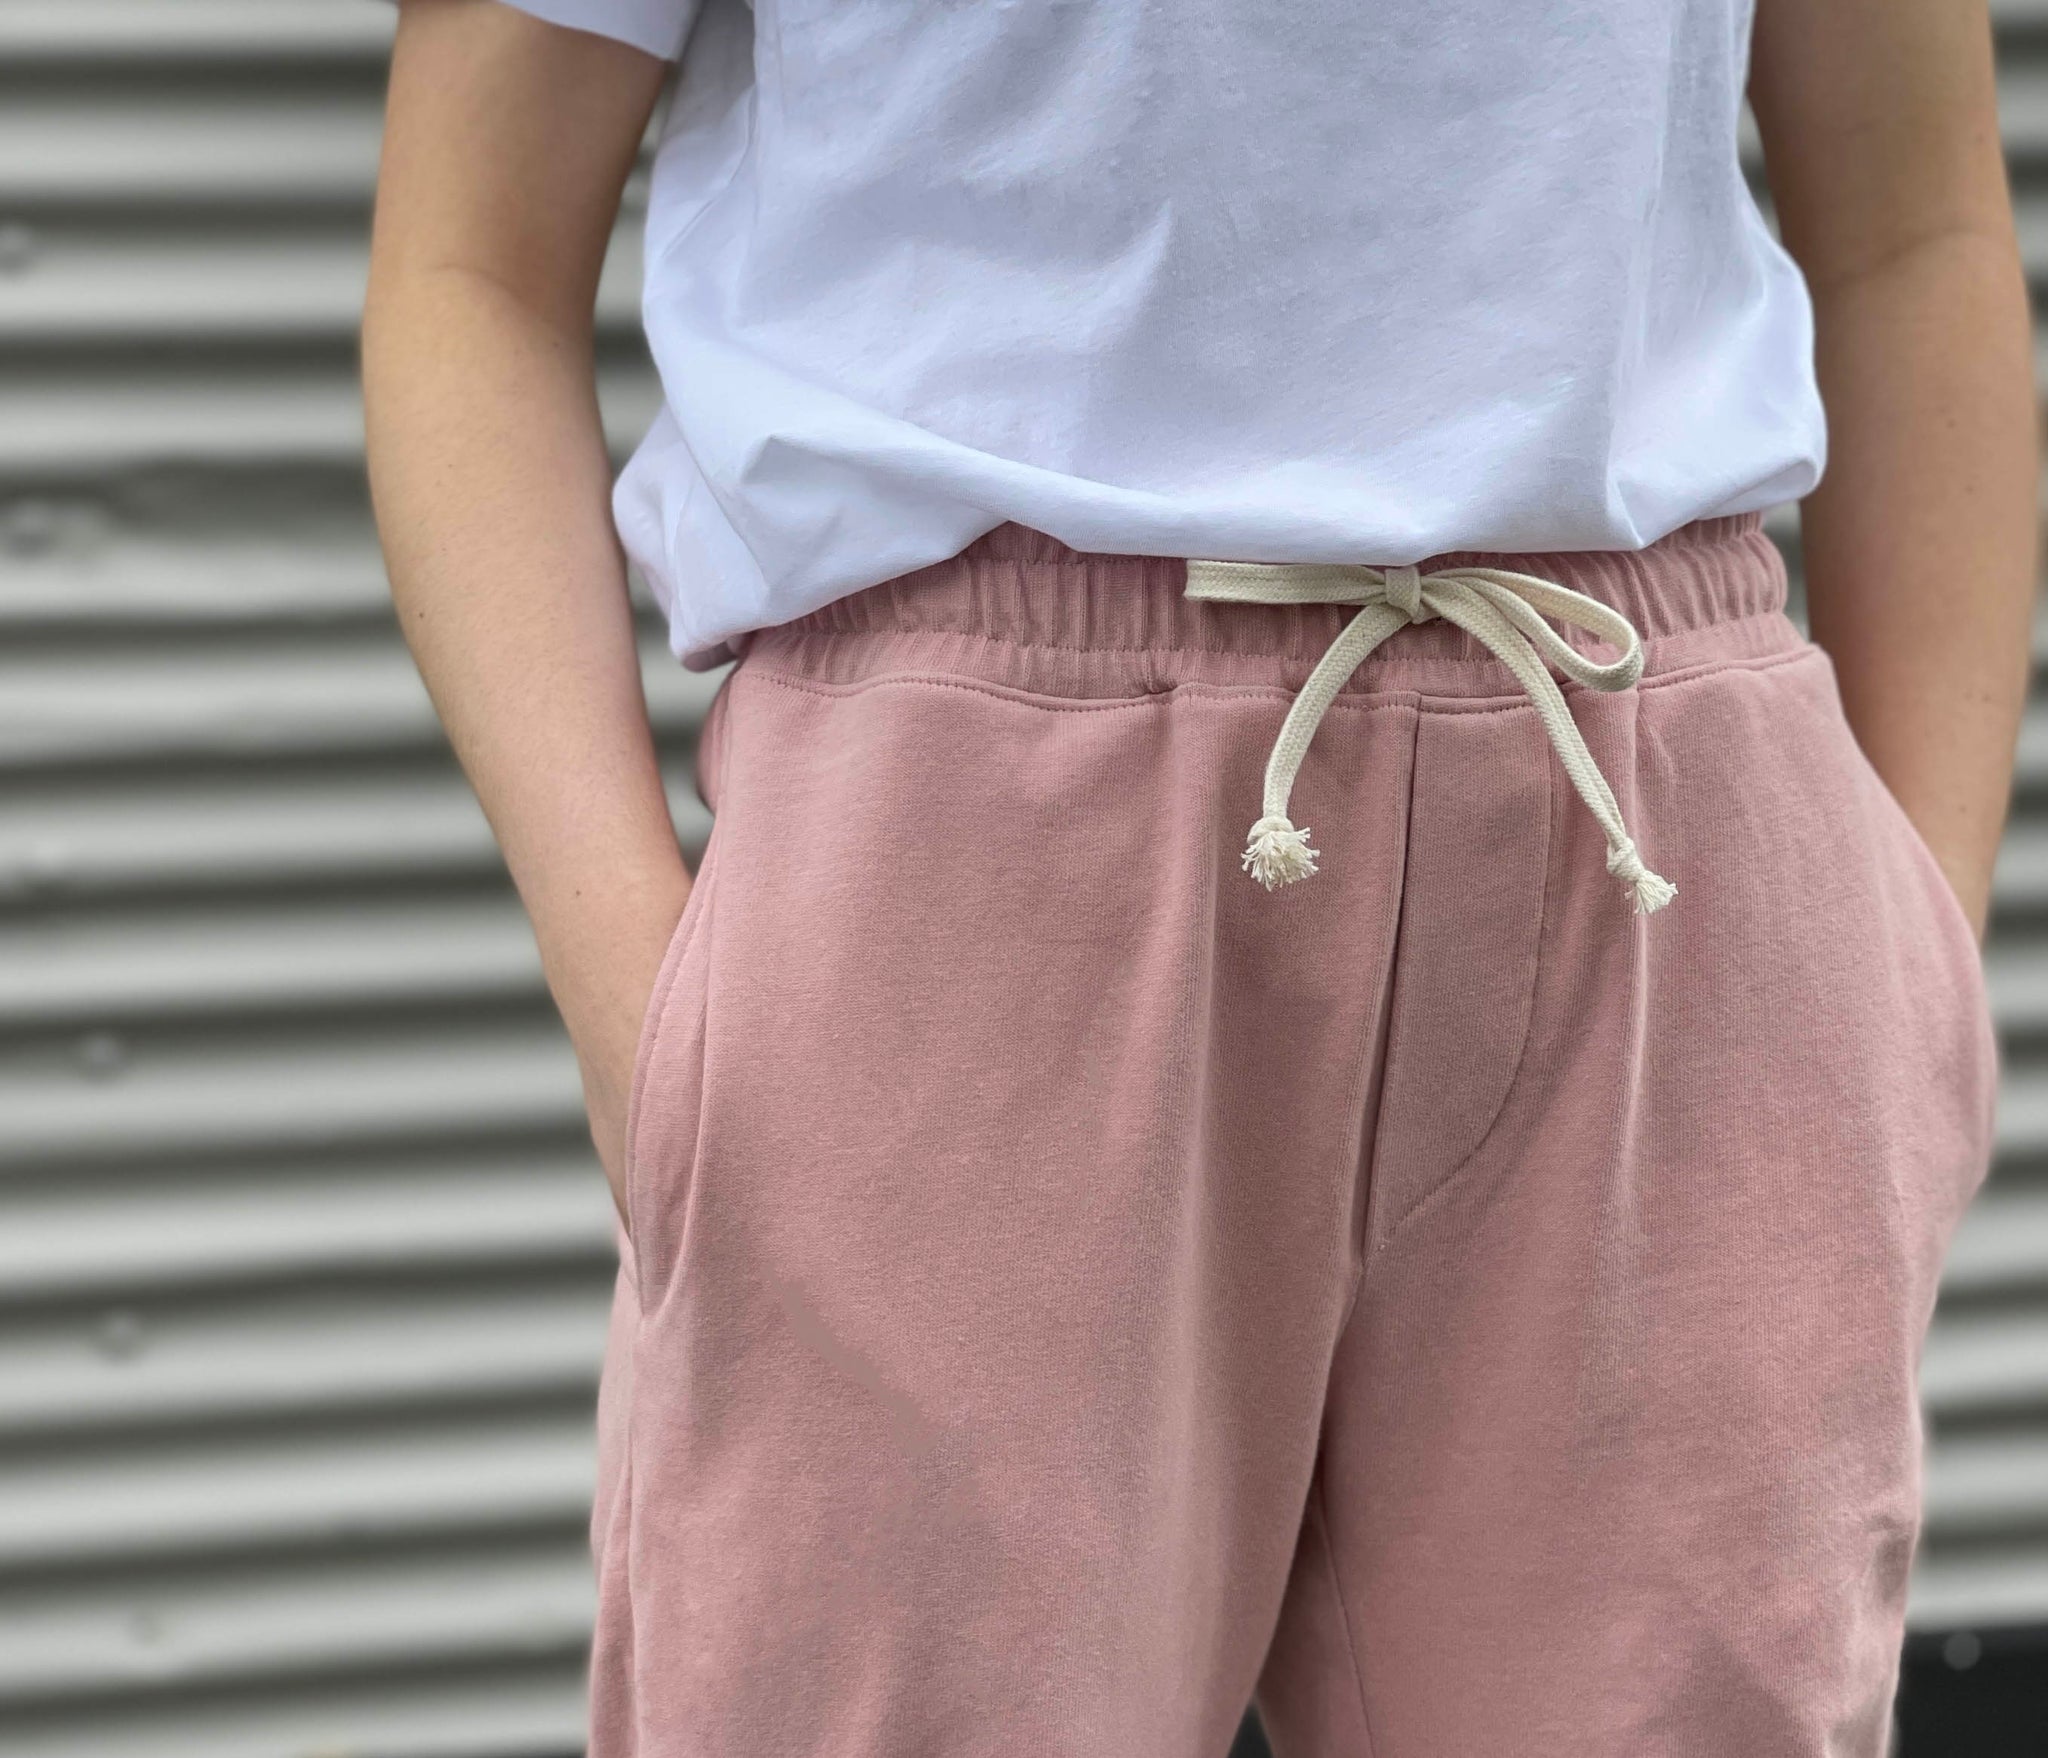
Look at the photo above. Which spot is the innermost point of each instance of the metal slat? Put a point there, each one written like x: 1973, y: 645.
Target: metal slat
x: 279, y: 827
x: 1988, y: 1363
x: 1987, y: 1484
x: 258, y: 34
x: 296, y: 1620
x: 2023, y: 1116
x: 151, y: 702
x: 2001, y: 1248
x: 2021, y: 882
x: 75, y: 563
x: 222, y: 1495
x: 272, y: 1357
x: 309, y: 956
x: 2019, y: 987
x: 104, y: 1096
x: 515, y: 1706
x: 73, y: 152
x: 1975, y: 1589
x: 346, y: 1217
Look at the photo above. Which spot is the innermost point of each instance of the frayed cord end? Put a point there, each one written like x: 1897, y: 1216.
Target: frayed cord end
x: 1277, y: 854
x: 1647, y: 891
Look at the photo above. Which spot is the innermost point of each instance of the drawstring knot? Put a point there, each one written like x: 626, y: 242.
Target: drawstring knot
x: 1404, y: 593
x: 1504, y: 611
x: 1645, y: 889
x: 1277, y: 854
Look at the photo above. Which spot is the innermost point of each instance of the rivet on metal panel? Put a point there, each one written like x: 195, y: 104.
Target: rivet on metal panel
x: 120, y: 1335
x: 30, y: 527
x: 102, y: 1054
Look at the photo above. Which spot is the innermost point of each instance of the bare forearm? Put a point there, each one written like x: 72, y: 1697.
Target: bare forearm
x: 491, y: 483
x: 507, y: 142
x: 1920, y: 543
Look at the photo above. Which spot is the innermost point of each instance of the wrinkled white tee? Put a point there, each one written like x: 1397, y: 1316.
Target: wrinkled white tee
x: 1313, y: 281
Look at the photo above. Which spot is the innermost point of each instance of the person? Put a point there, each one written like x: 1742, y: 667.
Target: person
x: 1317, y: 1057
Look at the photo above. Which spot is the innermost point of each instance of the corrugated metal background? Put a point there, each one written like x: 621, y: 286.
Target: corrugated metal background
x: 303, y: 1258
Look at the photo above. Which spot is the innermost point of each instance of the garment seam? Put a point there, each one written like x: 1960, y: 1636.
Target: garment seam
x: 655, y: 1031
x: 1629, y: 1063
x: 1329, y: 1549
x: 1391, y: 702
x: 1702, y: 669
x: 1382, y: 1025
x: 629, y: 1517
x: 1508, y: 701
x: 1545, y: 916
x: 1630, y: 1058
x: 794, y: 631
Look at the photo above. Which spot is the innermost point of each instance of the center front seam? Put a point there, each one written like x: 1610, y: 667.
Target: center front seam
x: 1329, y: 1550
x: 1545, y: 913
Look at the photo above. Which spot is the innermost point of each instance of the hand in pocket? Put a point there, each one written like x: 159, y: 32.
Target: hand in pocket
x: 604, y: 1003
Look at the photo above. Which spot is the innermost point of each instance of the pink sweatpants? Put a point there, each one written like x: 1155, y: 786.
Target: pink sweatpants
x: 1073, y: 1290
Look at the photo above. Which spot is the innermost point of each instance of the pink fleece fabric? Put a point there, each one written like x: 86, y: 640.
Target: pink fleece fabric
x: 1072, y: 1291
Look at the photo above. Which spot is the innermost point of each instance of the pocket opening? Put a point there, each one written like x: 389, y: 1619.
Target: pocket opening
x: 653, y: 1023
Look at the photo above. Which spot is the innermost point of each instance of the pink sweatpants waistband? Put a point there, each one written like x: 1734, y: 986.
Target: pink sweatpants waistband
x: 1019, y: 607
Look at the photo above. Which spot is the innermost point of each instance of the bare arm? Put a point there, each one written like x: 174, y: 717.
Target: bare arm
x: 1880, y: 129
x: 507, y: 143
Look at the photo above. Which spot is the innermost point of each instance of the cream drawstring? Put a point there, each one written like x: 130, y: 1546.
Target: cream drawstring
x: 1496, y: 606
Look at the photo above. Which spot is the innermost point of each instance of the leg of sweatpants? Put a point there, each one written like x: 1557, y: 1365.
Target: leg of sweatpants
x: 995, y: 1204
x: 1622, y: 1450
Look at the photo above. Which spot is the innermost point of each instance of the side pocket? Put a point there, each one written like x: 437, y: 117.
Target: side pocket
x: 651, y: 1029
x: 1956, y: 937
x: 1968, y: 955
x: 1955, y: 920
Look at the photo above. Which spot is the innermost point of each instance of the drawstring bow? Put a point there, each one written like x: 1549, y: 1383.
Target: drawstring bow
x: 1504, y: 611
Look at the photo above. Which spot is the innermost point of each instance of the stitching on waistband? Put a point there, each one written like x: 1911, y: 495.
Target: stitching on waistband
x: 1508, y: 701
x: 805, y: 630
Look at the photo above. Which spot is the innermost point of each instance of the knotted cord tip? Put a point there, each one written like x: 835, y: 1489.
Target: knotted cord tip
x: 1651, y: 893
x: 1648, y: 891
x: 1277, y: 854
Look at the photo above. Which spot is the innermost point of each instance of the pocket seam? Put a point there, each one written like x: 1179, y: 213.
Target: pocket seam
x: 653, y: 1030
x: 1539, y: 965
x: 1960, y: 926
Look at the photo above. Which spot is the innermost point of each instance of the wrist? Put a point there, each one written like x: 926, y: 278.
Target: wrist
x: 601, y: 944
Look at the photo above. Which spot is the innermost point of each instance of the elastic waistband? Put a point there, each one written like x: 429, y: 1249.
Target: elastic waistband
x: 1020, y: 607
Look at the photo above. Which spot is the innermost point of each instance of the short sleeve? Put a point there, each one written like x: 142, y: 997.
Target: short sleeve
x: 657, y: 26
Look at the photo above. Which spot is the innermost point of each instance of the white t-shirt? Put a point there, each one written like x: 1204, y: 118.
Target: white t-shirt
x: 1310, y: 282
